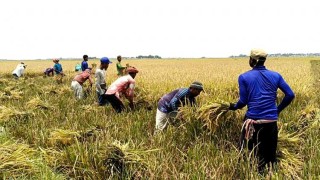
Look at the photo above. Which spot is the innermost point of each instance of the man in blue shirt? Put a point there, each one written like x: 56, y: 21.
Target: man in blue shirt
x: 172, y: 101
x: 258, y: 90
x: 84, y: 64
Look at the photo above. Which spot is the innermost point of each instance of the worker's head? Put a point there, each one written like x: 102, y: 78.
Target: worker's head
x: 119, y: 58
x: 88, y: 70
x: 257, y: 57
x: 85, y: 57
x: 56, y: 60
x: 104, y: 63
x: 196, y: 88
x: 132, y: 71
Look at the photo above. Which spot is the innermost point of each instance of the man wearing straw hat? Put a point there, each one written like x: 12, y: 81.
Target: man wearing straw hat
x: 258, y: 90
x: 170, y: 102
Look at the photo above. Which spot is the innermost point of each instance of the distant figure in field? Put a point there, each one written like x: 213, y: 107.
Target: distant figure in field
x: 77, y: 67
x: 19, y: 71
x: 258, y: 90
x: 120, y: 68
x: 78, y: 82
x: 58, y: 70
x: 101, y: 85
x: 49, y: 72
x: 173, y: 100
x: 122, y: 86
x: 84, y: 64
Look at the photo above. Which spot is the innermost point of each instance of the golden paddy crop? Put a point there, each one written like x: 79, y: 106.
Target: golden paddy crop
x: 59, y: 142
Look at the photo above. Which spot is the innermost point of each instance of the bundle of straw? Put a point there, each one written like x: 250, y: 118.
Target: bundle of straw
x: 119, y: 158
x: 17, y: 160
x: 11, y: 95
x: 63, y: 137
x: 7, y: 114
x: 37, y: 103
x: 211, y: 115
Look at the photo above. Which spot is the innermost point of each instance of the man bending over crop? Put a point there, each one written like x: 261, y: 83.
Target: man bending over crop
x: 170, y: 102
x: 79, y: 80
x: 258, y: 90
x: 123, y: 85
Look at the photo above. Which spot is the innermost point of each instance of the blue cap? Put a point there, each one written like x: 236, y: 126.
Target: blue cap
x: 105, y: 60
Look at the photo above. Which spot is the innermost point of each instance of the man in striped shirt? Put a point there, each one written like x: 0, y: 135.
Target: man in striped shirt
x: 172, y: 101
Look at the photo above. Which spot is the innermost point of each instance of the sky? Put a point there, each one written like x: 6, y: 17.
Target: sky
x: 37, y: 29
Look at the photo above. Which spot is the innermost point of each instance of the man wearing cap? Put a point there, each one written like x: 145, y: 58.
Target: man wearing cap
x: 122, y: 86
x: 100, y: 75
x: 79, y: 80
x: 19, y: 71
x: 84, y: 64
x: 170, y: 102
x: 258, y: 90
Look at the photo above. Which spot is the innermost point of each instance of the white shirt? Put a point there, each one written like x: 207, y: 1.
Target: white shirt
x: 18, y: 71
x: 100, y: 79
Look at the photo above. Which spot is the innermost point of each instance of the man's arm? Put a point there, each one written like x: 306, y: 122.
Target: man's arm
x: 129, y: 95
x: 243, y: 100
x: 98, y: 79
x: 289, y: 95
x: 177, y: 97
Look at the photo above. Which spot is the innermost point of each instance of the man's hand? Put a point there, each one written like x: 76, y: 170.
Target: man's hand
x: 232, y: 106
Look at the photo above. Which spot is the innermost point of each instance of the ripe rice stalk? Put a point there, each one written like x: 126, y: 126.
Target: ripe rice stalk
x: 7, y: 114
x: 212, y: 114
x: 17, y: 160
x: 51, y: 156
x: 15, y: 95
x: 37, y: 103
x: 62, y: 137
x: 119, y: 158
x: 290, y: 159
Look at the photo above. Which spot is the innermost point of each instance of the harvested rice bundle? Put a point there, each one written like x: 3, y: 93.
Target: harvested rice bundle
x: 37, y: 103
x: 290, y: 161
x: 17, y: 160
x: 211, y: 115
x: 7, y: 114
x: 11, y: 95
x: 119, y: 158
x: 63, y: 137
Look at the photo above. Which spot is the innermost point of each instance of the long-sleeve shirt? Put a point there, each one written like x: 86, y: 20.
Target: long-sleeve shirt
x: 18, y: 71
x: 258, y: 90
x: 170, y: 102
x: 57, y: 68
x: 100, y: 81
x: 124, y: 84
x: 84, y: 65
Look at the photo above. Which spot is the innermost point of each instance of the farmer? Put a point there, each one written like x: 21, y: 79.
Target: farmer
x: 58, y: 70
x: 19, y: 71
x: 120, y: 68
x: 78, y: 82
x: 170, y: 102
x: 258, y: 90
x: 122, y: 86
x: 100, y: 75
x: 84, y: 64
x: 48, y: 71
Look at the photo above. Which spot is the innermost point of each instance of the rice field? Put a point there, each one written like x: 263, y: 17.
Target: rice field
x: 45, y: 133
